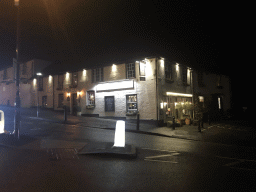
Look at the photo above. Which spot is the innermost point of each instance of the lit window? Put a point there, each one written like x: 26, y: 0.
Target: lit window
x: 131, y: 103
x: 201, y: 99
x: 90, y: 98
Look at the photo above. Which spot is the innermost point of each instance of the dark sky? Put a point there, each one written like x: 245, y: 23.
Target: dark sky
x: 195, y: 33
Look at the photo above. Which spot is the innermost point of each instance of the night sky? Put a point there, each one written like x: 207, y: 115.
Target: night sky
x: 201, y: 35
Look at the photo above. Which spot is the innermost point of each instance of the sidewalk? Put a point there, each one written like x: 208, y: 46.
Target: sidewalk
x: 188, y: 132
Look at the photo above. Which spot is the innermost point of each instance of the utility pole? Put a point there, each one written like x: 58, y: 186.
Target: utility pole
x: 17, y: 78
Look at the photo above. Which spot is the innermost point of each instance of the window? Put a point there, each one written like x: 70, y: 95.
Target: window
x: 130, y: 70
x: 74, y: 79
x: 24, y: 69
x: 184, y: 76
x: 109, y: 103
x: 40, y: 83
x: 60, y: 100
x: 44, y: 101
x: 5, y: 74
x: 131, y: 104
x: 142, y: 71
x: 90, y: 98
x: 97, y: 75
x: 60, y: 82
x: 200, y: 79
x: 168, y: 70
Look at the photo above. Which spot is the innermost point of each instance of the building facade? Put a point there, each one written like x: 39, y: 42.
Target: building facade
x: 155, y: 88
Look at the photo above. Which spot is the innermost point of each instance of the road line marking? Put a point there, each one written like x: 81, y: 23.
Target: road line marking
x: 160, y: 161
x: 159, y: 156
x: 233, y: 163
x: 160, y: 150
x: 236, y: 159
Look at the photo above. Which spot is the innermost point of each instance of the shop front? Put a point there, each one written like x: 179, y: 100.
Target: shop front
x: 177, y: 105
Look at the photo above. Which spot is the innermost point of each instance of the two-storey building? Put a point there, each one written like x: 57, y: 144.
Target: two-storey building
x: 154, y: 87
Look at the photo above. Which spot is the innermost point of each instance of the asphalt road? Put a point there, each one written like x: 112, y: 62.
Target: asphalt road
x: 47, y: 160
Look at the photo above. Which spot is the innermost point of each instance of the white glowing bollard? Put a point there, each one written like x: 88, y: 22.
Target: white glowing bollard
x: 119, y: 134
x: 1, y: 121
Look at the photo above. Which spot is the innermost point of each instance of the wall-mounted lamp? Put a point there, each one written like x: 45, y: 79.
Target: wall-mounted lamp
x: 68, y: 96
x: 177, y: 67
x: 161, y: 105
x: 113, y: 68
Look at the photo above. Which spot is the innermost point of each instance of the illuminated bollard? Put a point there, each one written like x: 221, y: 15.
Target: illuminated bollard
x: 1, y: 121
x: 119, y: 134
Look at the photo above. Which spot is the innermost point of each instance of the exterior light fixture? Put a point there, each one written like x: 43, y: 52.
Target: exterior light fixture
x: 39, y: 74
x: 162, y: 105
x: 177, y: 66
x: 113, y: 68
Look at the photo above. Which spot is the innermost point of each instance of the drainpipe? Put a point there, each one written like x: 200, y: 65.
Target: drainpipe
x: 157, y: 118
x: 192, y: 79
x: 53, y: 92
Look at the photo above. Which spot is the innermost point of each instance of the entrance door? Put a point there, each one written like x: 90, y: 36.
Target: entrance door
x: 74, y: 103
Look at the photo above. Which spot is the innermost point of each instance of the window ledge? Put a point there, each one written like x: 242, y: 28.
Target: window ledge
x: 131, y: 113
x: 168, y: 80
x: 90, y: 106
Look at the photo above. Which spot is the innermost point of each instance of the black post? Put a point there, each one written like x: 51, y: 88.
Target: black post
x: 199, y: 125
x: 17, y: 78
x: 65, y: 113
x: 173, y: 122
x: 138, y: 121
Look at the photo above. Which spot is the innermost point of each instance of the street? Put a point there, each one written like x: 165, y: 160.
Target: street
x: 46, y: 159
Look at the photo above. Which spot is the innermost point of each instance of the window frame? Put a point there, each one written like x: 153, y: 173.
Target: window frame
x: 60, y: 101
x: 97, y: 75
x: 130, y: 70
x: 131, y: 111
x: 88, y: 100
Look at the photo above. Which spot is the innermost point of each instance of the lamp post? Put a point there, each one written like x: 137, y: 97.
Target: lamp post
x: 17, y: 78
x: 37, y: 111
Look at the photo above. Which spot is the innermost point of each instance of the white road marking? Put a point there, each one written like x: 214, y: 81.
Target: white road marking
x: 154, y: 158
x: 159, y: 156
x: 160, y: 161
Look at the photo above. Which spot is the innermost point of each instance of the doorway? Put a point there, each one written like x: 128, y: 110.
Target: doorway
x: 74, y: 103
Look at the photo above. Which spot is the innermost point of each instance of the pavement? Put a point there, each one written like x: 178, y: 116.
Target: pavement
x: 189, y: 132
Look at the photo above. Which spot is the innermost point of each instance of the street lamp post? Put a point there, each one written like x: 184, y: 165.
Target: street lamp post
x: 38, y: 74
x: 17, y: 77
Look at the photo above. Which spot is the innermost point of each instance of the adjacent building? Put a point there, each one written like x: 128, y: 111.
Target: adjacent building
x: 156, y: 88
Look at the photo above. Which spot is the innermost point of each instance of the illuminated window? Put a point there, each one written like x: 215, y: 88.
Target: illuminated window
x: 90, y: 98
x: 130, y: 70
x: 60, y: 100
x: 201, y: 98
x: 97, y: 75
x: 131, y: 103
